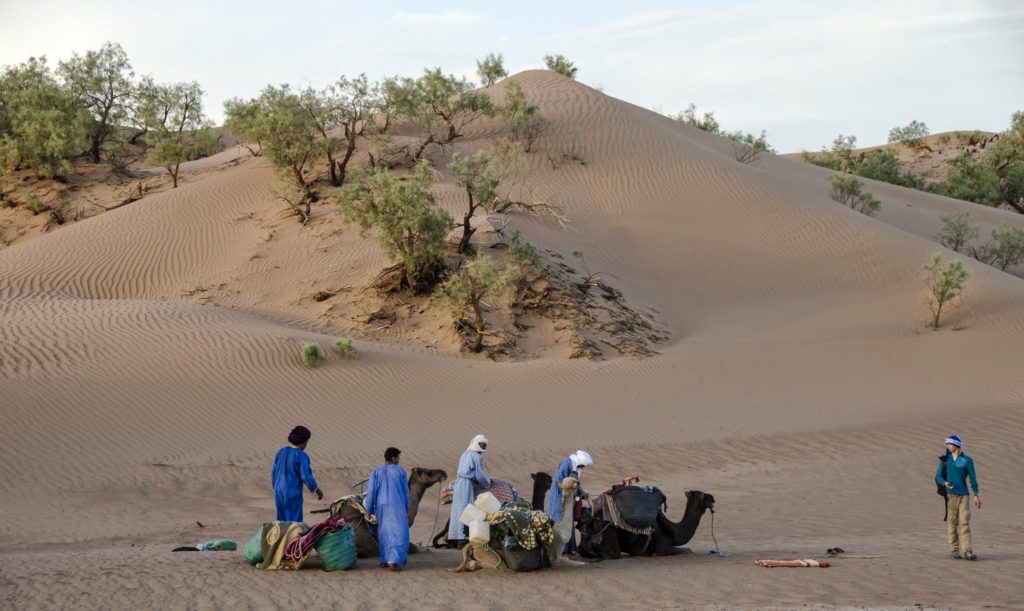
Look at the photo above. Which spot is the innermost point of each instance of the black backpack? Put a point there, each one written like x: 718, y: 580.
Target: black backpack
x: 942, y: 489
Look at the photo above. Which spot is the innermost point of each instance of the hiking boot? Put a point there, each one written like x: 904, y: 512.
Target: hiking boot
x: 970, y: 555
x: 956, y: 554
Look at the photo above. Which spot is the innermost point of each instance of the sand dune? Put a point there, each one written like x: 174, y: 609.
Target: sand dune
x: 149, y: 369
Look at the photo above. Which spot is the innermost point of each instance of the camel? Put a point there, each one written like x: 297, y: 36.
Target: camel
x: 493, y: 555
x: 541, y: 485
x: 366, y: 539
x: 601, y: 539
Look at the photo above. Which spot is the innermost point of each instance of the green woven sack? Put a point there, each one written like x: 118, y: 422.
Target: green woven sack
x: 338, y: 550
x: 253, y: 551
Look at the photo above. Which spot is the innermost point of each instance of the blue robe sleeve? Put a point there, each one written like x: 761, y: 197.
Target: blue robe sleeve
x: 372, y: 492
x: 307, y: 472
x: 553, y: 506
x: 478, y: 466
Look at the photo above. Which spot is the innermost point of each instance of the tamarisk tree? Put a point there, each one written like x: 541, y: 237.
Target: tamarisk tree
x: 403, y: 212
x: 102, y: 81
x: 462, y: 294
x: 944, y: 284
x: 178, y: 130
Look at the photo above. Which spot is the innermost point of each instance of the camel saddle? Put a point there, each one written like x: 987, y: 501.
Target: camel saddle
x: 503, y: 490
x: 632, y: 508
x: 355, y: 501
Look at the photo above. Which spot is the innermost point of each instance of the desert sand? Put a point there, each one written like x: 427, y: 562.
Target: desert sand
x: 149, y: 370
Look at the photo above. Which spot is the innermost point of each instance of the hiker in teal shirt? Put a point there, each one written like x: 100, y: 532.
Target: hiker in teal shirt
x: 959, y: 467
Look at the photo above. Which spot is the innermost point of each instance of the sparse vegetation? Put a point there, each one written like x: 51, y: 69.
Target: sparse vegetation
x: 1005, y: 249
x: 561, y: 64
x: 945, y: 284
x: 884, y: 165
x: 279, y: 122
x: 838, y: 158
x: 911, y: 135
x: 464, y: 291
x: 311, y: 354
x: 409, y: 226
x: 101, y: 81
x: 491, y: 69
x: 42, y: 127
x: 849, y: 191
x: 957, y: 231
x: 525, y: 123
x: 345, y: 348
x: 178, y: 130
x: 478, y: 175
x: 747, y: 147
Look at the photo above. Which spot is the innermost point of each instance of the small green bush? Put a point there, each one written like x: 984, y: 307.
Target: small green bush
x: 345, y: 348
x: 311, y: 354
x: 944, y: 283
x: 849, y: 191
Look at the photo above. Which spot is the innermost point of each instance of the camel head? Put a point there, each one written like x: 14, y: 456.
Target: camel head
x: 541, y: 479
x: 702, y: 501
x: 569, y: 484
x: 426, y: 477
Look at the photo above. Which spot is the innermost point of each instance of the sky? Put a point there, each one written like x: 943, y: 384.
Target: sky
x: 804, y: 71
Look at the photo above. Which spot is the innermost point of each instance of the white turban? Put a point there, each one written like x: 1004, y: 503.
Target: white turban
x: 581, y: 458
x: 474, y: 446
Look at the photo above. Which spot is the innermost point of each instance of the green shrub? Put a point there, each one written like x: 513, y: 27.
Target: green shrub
x: 944, y: 283
x: 345, y: 348
x: 957, y: 231
x: 311, y: 354
x: 1004, y: 250
x: 849, y: 191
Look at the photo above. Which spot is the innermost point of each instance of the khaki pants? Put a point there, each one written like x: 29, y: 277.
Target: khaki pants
x: 958, y: 521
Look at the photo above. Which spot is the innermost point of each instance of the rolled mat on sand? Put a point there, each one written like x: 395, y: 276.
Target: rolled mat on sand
x: 807, y: 562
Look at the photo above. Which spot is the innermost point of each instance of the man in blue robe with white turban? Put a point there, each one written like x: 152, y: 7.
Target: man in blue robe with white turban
x: 387, y: 498
x: 569, y: 467
x: 471, y: 469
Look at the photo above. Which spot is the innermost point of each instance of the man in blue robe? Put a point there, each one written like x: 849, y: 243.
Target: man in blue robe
x: 291, y: 469
x: 471, y: 469
x: 569, y: 467
x: 387, y: 498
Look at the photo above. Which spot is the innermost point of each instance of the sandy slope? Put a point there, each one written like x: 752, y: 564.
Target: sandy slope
x: 149, y: 370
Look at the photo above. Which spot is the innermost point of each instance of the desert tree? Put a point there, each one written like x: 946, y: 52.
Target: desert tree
x: 560, y: 64
x: 462, y: 294
x: 242, y: 119
x: 410, y: 228
x: 884, y: 165
x: 911, y: 135
x: 1005, y: 249
x: 42, y: 126
x: 849, y: 191
x: 957, y: 231
x: 287, y: 138
x: 178, y: 130
x: 706, y: 122
x: 491, y: 69
x: 840, y: 157
x: 103, y: 81
x: 945, y: 283
x: 319, y: 108
x: 355, y: 103
x: 479, y: 177
x: 452, y: 101
x: 525, y: 123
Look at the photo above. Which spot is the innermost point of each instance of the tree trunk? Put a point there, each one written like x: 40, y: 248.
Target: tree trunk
x: 174, y: 175
x: 343, y: 164
x: 334, y: 170
x: 467, y: 226
x: 480, y: 324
